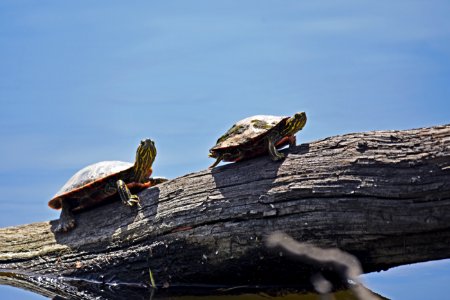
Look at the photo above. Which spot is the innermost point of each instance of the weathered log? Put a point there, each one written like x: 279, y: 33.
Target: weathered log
x: 383, y: 196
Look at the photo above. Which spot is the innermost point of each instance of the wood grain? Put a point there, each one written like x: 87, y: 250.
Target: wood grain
x: 383, y: 196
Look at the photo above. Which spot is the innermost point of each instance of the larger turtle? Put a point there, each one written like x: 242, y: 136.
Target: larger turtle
x: 99, y: 182
x: 257, y: 135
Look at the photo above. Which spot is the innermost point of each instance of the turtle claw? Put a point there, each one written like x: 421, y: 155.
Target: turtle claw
x: 278, y: 157
x: 65, y: 225
x: 132, y: 201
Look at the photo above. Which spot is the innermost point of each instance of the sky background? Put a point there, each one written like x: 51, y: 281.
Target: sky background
x: 85, y: 81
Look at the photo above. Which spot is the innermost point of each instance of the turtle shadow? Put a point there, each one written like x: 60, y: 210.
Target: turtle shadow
x: 247, y: 184
x: 110, y: 222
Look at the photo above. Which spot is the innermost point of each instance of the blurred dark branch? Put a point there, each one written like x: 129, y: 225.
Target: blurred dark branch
x: 343, y: 264
x: 383, y: 197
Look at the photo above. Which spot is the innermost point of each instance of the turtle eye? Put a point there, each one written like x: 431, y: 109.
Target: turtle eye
x: 142, y: 142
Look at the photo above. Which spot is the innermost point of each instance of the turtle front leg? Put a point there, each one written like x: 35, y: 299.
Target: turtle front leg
x: 218, y: 160
x: 66, y: 220
x: 125, y: 194
x: 274, y: 154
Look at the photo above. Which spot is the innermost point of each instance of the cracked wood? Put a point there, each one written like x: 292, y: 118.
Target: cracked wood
x: 383, y: 196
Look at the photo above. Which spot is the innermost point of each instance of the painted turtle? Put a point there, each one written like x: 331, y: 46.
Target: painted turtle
x: 99, y: 182
x: 257, y: 135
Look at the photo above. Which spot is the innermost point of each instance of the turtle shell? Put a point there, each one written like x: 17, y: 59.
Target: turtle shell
x: 88, y: 181
x: 247, y: 130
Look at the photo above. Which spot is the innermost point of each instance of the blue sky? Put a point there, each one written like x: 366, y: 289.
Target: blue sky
x: 84, y: 81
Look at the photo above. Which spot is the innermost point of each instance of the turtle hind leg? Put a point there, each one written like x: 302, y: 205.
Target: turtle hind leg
x: 274, y: 154
x: 66, y: 220
x: 125, y: 194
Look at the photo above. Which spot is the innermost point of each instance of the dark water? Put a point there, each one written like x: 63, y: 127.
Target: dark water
x: 419, y: 281
x: 15, y: 293
x: 63, y: 288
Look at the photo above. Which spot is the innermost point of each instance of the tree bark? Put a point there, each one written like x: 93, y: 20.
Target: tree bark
x: 383, y: 196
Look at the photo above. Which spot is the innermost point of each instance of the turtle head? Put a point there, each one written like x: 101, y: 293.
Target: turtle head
x: 295, y: 123
x: 145, y: 156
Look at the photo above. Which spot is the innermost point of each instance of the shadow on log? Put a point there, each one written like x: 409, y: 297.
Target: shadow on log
x: 382, y: 196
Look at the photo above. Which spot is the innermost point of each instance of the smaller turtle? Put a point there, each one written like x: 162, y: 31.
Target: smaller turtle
x: 99, y: 182
x: 257, y: 135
